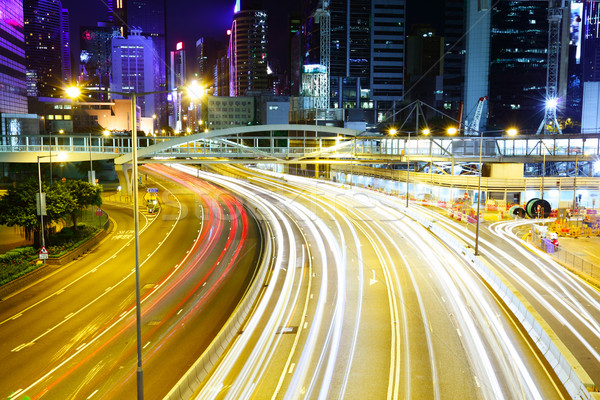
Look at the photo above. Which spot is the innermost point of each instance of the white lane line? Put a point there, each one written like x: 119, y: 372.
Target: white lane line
x: 93, y: 394
x: 291, y: 369
x: 146, y: 345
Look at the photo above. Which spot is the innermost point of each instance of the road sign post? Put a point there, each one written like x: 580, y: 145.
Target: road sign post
x: 43, y: 253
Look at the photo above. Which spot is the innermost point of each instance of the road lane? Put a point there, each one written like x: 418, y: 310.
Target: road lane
x: 93, y: 350
x: 433, y: 318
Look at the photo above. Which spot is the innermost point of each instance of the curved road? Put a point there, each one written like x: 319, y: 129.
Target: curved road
x: 72, y: 335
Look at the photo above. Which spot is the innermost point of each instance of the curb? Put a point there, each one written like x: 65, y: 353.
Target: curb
x: 48, y: 269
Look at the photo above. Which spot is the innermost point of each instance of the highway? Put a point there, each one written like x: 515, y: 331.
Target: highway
x: 376, y: 308
x: 569, y: 305
x: 358, y: 301
x: 72, y: 335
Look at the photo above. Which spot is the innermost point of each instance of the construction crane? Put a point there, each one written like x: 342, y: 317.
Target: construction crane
x: 323, y: 18
x: 473, y: 127
x: 555, y: 13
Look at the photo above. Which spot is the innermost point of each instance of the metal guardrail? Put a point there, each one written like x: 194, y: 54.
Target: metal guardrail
x: 565, y: 256
x: 300, y: 141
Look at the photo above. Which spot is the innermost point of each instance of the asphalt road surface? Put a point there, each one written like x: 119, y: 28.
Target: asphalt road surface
x: 73, y: 335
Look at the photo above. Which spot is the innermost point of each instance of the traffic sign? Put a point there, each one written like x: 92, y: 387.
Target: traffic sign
x: 43, y: 254
x: 152, y: 190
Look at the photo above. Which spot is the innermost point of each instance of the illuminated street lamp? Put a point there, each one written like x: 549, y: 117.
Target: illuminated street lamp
x: 511, y: 131
x: 452, y: 131
x: 426, y: 131
x: 393, y: 131
x: 75, y: 92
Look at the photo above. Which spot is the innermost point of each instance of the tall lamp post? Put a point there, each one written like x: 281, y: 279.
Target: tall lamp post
x: 41, y: 199
x: 75, y: 92
x: 479, y: 193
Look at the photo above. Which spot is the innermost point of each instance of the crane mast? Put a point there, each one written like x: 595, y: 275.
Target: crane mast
x: 323, y: 18
x: 555, y: 13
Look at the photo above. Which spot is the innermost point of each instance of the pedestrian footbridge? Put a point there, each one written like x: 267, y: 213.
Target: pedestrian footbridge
x: 303, y: 144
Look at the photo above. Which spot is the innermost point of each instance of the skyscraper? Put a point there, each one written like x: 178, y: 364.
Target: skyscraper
x: 177, y: 79
x: 12, y: 65
x: 517, y: 64
x: 96, y: 58
x: 133, y: 61
x: 248, y: 52
x: 66, y: 47
x: 366, y: 52
x: 43, y: 47
x: 149, y: 16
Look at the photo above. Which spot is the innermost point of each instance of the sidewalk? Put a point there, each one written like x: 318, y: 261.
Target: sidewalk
x: 11, y: 237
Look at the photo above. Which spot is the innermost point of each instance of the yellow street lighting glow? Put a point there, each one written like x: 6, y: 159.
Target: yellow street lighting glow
x: 452, y: 131
x: 61, y: 131
x: 195, y: 90
x: 393, y: 131
x: 73, y: 92
x: 106, y: 132
x: 62, y: 156
x: 512, y: 131
x: 426, y: 131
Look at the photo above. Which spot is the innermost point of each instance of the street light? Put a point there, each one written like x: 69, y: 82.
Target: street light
x: 452, y: 131
x: 479, y: 193
x: 74, y: 92
x: 41, y: 199
x: 511, y: 131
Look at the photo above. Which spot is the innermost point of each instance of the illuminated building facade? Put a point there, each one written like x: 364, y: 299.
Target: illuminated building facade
x: 366, y: 50
x: 95, y: 58
x: 149, y: 16
x: 44, y: 36
x: 13, y: 95
x: 177, y: 78
x: 133, y: 70
x: 517, y: 65
x: 247, y: 51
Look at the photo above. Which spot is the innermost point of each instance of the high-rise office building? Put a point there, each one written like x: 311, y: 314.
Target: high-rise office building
x: 44, y: 47
x: 366, y: 52
x: 133, y: 69
x: 95, y: 58
x: 454, y: 55
x: 66, y: 47
x: 517, y: 65
x: 177, y: 79
x: 247, y: 51
x: 13, y: 95
x: 150, y: 17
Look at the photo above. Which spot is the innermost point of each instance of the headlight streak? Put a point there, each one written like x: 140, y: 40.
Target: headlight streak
x: 473, y: 341
x: 275, y: 216
x: 108, y: 326
x: 509, y: 264
x: 501, y: 262
x: 335, y: 328
x: 338, y: 316
x: 459, y: 283
x: 514, y: 358
x: 306, y: 356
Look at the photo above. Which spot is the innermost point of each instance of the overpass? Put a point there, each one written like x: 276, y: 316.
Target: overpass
x: 303, y: 144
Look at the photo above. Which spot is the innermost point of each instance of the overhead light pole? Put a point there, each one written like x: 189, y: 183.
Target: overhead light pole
x: 75, y: 92
x: 479, y: 193
x: 41, y: 197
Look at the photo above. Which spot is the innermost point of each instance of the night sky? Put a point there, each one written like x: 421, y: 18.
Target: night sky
x: 188, y: 20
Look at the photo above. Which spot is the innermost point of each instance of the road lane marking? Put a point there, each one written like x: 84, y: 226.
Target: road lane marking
x: 291, y: 369
x: 17, y: 316
x: 146, y: 345
x: 21, y: 347
x: 93, y: 394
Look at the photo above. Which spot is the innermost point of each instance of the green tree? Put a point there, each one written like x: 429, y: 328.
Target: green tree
x: 18, y: 206
x: 84, y: 194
